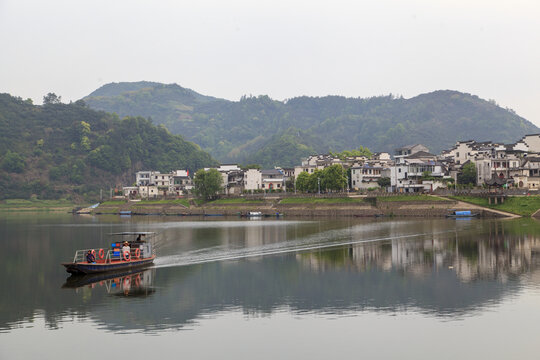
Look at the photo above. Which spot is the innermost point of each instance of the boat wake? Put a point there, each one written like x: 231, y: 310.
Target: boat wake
x: 320, y: 241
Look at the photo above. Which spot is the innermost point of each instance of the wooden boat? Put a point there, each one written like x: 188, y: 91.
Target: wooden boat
x: 141, y: 254
x: 461, y: 214
x: 251, y: 214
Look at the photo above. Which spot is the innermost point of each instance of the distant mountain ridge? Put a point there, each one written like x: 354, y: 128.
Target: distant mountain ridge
x: 269, y: 132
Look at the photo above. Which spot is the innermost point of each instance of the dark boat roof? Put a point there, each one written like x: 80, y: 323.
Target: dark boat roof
x: 133, y: 233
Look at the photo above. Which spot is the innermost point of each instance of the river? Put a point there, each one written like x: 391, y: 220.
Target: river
x: 274, y: 288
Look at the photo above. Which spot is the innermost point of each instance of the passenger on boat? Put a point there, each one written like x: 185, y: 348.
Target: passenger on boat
x: 90, y: 257
x: 126, y: 248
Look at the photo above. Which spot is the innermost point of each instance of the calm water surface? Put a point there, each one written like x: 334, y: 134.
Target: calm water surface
x: 267, y: 289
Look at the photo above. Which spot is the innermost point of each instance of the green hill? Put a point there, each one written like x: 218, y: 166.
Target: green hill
x: 58, y: 149
x: 254, y: 128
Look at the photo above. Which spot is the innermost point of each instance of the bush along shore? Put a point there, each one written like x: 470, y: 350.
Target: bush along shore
x: 400, y: 205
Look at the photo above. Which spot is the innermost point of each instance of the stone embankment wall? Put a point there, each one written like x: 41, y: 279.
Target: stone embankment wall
x: 272, y: 207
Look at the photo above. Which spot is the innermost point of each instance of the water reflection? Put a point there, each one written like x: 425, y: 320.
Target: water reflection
x: 434, y: 267
x: 471, y: 255
x: 129, y: 283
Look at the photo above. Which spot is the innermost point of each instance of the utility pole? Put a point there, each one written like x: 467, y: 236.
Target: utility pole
x: 319, y: 185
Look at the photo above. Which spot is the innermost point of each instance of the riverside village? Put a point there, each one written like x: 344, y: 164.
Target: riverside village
x: 485, y: 170
x: 411, y: 169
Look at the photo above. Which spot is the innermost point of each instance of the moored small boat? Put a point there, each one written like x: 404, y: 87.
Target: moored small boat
x: 462, y: 214
x: 140, y: 254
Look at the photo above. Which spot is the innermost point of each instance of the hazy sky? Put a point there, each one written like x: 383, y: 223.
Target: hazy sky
x: 280, y: 48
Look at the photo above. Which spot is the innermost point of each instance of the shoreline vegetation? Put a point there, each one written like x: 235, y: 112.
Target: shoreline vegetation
x: 36, y: 205
x: 421, y: 205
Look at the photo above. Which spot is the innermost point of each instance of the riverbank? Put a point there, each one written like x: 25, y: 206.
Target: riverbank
x: 36, y: 205
x: 390, y: 206
x: 519, y: 205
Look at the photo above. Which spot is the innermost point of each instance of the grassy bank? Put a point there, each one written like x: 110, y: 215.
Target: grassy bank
x: 36, y: 205
x: 235, y: 201
x: 310, y: 200
x: 405, y: 198
x: 520, y: 205
x: 183, y: 202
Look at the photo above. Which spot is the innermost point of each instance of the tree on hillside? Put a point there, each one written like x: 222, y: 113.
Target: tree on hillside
x: 52, y: 98
x: 207, y: 183
x: 361, y: 151
x: 468, y: 174
x: 13, y: 162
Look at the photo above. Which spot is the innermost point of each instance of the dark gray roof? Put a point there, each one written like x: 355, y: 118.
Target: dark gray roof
x: 407, y: 147
x: 420, y: 154
x: 271, y: 172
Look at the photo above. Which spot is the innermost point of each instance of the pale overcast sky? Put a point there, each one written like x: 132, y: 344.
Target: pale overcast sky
x: 283, y: 49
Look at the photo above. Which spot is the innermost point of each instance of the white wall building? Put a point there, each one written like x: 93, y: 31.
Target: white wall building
x: 252, y: 179
x: 366, y: 176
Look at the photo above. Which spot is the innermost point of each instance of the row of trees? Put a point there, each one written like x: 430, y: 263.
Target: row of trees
x: 332, y: 178
x: 208, y: 183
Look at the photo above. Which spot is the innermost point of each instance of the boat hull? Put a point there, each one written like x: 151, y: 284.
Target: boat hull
x: 94, y: 268
x: 461, y: 216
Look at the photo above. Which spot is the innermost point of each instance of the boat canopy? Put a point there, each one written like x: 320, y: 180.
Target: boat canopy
x: 127, y: 233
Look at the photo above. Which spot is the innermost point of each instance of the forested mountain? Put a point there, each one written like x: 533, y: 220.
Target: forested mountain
x: 270, y: 132
x: 58, y: 149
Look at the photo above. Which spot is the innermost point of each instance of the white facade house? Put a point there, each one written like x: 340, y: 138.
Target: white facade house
x: 407, y: 173
x: 252, y: 179
x: 304, y: 168
x: 529, y: 143
x: 272, y: 180
x: 162, y: 181
x: 366, y: 176
x: 143, y: 178
x: 181, y: 182
x: 148, y: 192
x: 406, y: 176
x: 154, y: 183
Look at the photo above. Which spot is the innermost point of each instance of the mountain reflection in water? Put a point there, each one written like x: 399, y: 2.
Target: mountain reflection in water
x: 434, y: 267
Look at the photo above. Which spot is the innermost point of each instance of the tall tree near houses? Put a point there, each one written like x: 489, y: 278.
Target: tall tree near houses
x: 334, y: 178
x: 302, y: 181
x: 468, y: 174
x: 207, y: 183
